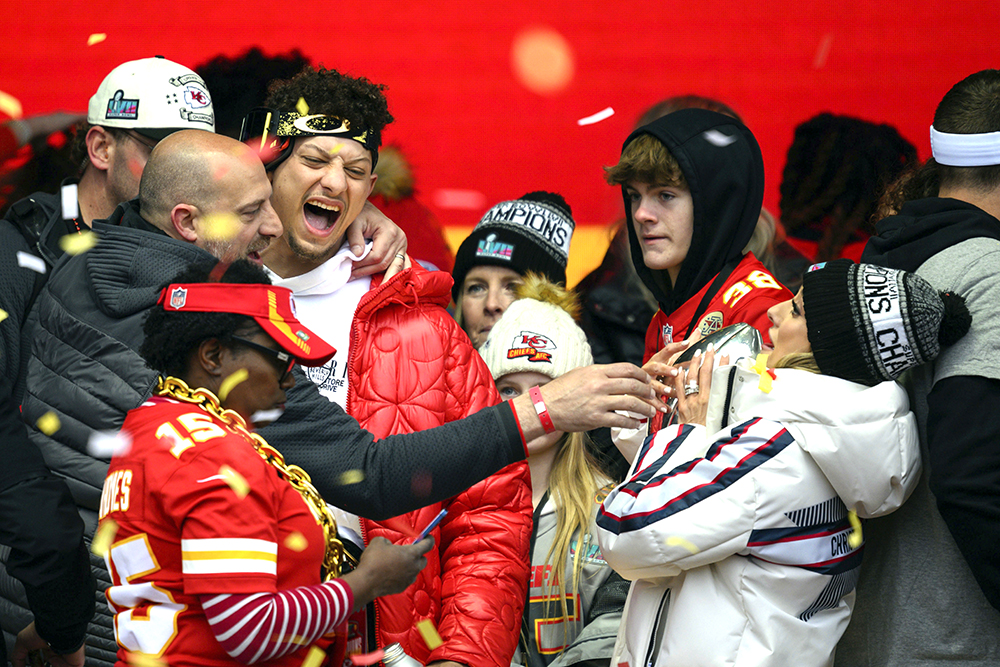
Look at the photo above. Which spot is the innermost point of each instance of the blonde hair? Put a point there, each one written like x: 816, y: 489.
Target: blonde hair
x: 573, y: 486
x: 574, y: 477
x: 803, y: 361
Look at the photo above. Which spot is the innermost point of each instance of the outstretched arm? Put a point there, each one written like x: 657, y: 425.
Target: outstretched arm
x: 377, y: 482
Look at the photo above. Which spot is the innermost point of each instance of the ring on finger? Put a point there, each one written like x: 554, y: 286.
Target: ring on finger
x: 400, y: 255
x: 691, y: 388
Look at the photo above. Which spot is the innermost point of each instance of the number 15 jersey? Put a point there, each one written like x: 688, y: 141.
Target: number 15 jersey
x: 198, y: 512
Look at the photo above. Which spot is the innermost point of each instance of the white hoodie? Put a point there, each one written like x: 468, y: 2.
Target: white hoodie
x: 737, y: 535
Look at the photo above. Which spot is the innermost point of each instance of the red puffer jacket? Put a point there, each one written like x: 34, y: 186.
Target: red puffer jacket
x: 413, y: 368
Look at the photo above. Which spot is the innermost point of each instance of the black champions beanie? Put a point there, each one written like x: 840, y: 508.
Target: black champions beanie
x: 532, y: 233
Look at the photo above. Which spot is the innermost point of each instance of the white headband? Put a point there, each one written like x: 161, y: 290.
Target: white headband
x: 965, y: 150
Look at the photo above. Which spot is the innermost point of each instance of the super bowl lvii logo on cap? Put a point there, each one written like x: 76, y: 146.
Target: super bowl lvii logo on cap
x: 490, y: 247
x: 120, y: 107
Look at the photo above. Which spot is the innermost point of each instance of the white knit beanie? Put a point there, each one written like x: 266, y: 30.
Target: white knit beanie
x: 535, y: 335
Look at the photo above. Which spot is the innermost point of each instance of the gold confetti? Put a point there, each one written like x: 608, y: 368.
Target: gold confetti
x: 674, y: 541
x: 765, y: 383
x: 855, y: 539
x: 219, y: 227
x: 104, y: 538
x: 761, y: 364
x: 336, y: 149
x: 10, y: 105
x: 429, y: 633
x: 296, y: 542
x: 315, y: 657
x: 96, y: 38
x: 230, y: 383
x: 48, y: 423
x: 302, y: 107
x: 3, y: 314
x: 352, y: 477
x: 235, y: 481
x: 143, y: 660
x: 77, y: 244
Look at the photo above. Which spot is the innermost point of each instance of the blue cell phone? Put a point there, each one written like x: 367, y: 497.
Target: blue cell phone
x: 430, y: 526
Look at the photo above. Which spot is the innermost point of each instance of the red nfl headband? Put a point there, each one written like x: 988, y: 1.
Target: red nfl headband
x: 270, y: 306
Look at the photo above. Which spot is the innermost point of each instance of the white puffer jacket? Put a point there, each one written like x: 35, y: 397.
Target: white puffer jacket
x: 737, y: 535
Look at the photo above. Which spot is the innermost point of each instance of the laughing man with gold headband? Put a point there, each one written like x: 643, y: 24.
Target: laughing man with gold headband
x: 403, y: 365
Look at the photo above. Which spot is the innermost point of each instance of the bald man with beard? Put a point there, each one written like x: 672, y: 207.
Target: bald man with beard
x: 212, y: 191
x: 202, y: 197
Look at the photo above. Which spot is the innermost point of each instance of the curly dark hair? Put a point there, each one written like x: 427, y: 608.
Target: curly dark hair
x: 837, y: 168
x: 172, y: 336
x: 327, y: 91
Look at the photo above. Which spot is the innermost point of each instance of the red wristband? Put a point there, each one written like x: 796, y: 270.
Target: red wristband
x: 541, y: 410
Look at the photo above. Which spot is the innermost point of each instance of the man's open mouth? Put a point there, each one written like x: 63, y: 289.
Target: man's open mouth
x: 320, y: 216
x: 253, y: 252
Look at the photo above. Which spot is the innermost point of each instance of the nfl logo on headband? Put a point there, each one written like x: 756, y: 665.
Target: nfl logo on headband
x: 178, y: 298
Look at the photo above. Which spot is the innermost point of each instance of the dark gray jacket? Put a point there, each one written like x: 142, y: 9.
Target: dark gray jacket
x: 44, y: 561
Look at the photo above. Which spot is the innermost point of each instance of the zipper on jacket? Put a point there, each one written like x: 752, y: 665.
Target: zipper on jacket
x: 657, y: 638
x: 729, y: 396
x: 368, y: 297
x: 375, y: 640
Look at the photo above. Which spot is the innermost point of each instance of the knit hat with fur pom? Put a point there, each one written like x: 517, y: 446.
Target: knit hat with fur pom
x: 537, y: 333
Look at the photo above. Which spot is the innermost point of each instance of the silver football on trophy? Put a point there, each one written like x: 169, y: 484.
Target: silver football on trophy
x: 737, y: 340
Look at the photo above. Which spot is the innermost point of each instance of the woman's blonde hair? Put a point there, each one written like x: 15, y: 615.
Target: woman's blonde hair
x: 804, y: 361
x: 574, y: 477
x: 573, y: 486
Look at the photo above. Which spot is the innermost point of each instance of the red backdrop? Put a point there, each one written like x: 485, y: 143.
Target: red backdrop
x: 468, y: 120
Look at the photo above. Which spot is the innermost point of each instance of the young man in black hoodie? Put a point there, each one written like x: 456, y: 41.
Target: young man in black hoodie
x: 693, y: 184
x: 932, y: 573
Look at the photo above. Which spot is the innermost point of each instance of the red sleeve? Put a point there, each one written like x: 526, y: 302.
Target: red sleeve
x: 252, y: 628
x: 224, y: 499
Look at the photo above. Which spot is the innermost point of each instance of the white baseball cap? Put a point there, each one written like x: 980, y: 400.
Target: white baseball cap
x: 154, y: 97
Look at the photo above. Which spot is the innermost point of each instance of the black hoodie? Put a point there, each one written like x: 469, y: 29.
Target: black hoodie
x: 925, y: 227
x: 724, y: 170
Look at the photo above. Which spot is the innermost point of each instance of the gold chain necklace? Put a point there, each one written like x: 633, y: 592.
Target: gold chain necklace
x: 293, y: 474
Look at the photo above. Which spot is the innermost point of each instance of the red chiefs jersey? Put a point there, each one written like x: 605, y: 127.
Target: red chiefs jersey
x: 198, y: 512
x: 745, y: 297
